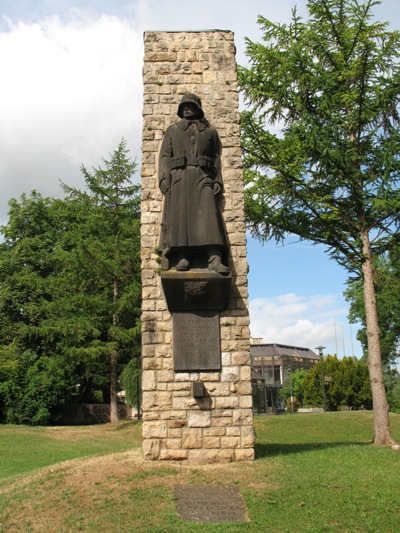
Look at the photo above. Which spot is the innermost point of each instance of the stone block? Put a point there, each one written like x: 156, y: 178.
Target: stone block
x: 226, y: 402
x: 149, y: 380
x: 248, y: 437
x: 222, y: 422
x: 151, y: 448
x: 245, y: 373
x: 230, y: 442
x: 233, y: 431
x: 155, y: 430
x: 186, y: 402
x: 244, y: 455
x: 230, y: 373
x: 218, y: 389
x: 246, y: 402
x: 156, y: 400
x: 186, y: 376
x: 212, y: 442
x: 199, y: 419
x: 214, y: 432
x: 192, y: 438
x: 150, y: 415
x: 241, y: 358
x: 242, y: 417
x: 172, y: 443
x: 165, y: 376
x: 173, y: 455
x: 176, y: 424
x: 175, y: 433
x: 209, y: 376
x: 210, y: 456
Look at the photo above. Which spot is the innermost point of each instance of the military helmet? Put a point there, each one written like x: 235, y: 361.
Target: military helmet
x: 189, y: 98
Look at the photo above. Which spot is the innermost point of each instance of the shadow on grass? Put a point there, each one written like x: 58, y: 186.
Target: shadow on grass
x: 271, y: 450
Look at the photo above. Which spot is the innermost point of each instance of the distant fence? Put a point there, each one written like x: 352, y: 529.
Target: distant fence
x: 94, y: 413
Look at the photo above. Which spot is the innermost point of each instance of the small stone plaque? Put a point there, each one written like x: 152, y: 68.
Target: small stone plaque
x: 196, y: 341
x: 210, y: 503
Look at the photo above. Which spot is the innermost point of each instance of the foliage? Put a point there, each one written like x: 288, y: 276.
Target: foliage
x: 69, y: 292
x: 293, y: 386
x: 332, y: 84
x: 36, y: 389
x: 106, y: 255
x: 346, y: 382
x: 131, y: 382
x: 387, y: 283
x: 392, y: 382
x: 332, y: 175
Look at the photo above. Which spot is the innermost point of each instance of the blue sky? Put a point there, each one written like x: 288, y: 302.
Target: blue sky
x: 72, y: 89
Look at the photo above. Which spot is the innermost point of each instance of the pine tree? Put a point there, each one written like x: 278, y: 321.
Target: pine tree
x: 331, y: 176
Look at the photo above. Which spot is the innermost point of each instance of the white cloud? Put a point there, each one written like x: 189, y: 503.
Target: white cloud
x: 70, y: 92
x: 72, y: 81
x: 303, y: 321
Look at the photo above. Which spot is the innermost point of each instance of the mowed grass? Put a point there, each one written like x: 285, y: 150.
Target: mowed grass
x: 313, y: 472
x: 24, y: 448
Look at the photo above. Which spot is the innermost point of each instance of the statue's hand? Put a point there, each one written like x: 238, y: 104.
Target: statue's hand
x: 164, y: 188
x: 217, y: 188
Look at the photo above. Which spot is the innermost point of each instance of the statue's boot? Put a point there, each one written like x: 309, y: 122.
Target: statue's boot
x: 215, y: 263
x: 183, y: 265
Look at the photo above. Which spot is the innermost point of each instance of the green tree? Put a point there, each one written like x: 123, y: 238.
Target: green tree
x: 36, y: 389
x: 331, y: 176
x: 70, y: 293
x: 35, y: 380
x: 132, y: 383
x: 27, y: 260
x: 346, y: 382
x: 106, y: 256
x: 293, y: 386
x: 392, y: 381
x: 387, y: 283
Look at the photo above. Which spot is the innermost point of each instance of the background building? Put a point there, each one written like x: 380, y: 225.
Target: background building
x: 271, y: 368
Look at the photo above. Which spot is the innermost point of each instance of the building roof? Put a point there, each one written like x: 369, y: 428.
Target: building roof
x: 279, y: 350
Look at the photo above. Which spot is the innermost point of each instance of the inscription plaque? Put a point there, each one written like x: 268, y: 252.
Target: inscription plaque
x: 196, y: 341
x: 210, y: 503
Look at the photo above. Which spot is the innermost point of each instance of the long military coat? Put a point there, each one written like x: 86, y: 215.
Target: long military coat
x: 189, y: 165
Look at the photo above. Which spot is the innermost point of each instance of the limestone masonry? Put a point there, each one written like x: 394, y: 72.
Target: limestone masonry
x: 176, y: 425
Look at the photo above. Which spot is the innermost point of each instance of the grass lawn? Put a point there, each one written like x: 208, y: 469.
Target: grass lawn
x: 313, y: 472
x: 24, y: 448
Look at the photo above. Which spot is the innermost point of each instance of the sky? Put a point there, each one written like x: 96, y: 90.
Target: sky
x: 71, y: 89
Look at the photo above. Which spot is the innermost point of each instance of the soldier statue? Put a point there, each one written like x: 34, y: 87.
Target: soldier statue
x: 189, y: 175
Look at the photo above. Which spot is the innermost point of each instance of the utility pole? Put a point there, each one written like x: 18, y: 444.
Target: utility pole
x: 291, y: 388
x: 321, y: 354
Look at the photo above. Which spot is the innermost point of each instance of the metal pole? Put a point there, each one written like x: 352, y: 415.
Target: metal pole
x: 321, y: 354
x: 337, y: 352
x: 344, y: 352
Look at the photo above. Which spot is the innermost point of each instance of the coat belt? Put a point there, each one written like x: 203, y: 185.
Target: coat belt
x: 184, y: 161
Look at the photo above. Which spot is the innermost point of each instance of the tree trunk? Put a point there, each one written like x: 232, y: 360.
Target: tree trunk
x: 380, y: 405
x: 114, y: 418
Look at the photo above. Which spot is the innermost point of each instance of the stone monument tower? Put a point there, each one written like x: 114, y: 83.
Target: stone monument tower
x: 197, y: 402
